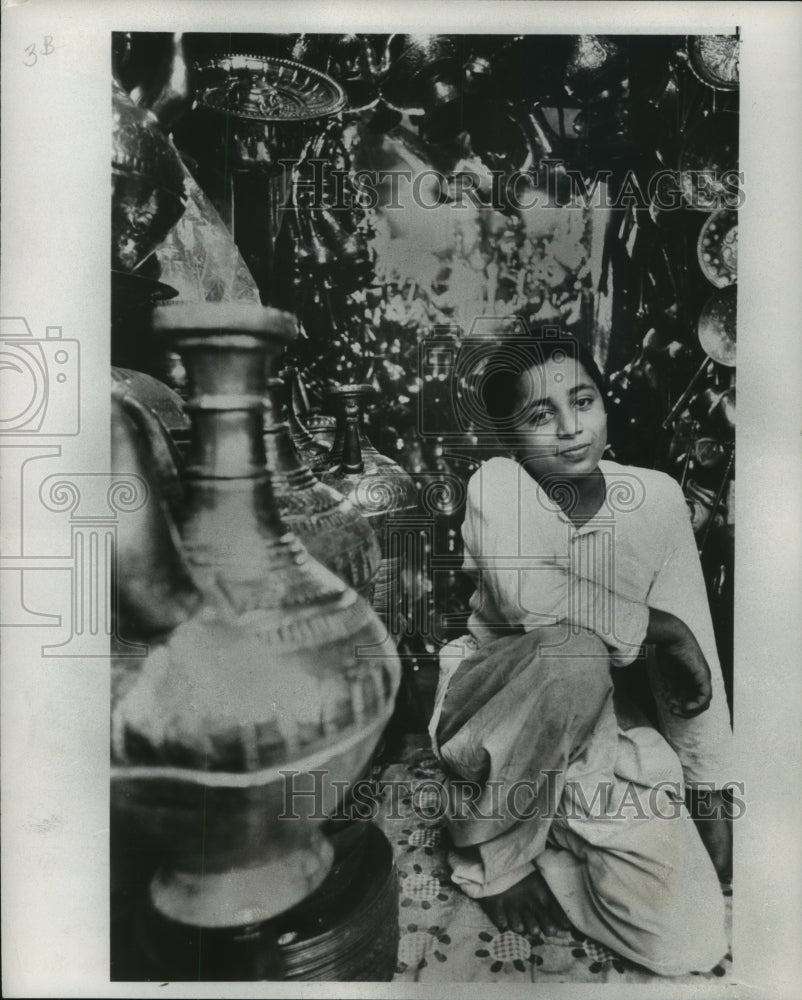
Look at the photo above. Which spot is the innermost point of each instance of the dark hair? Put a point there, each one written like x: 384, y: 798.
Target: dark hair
x: 512, y: 358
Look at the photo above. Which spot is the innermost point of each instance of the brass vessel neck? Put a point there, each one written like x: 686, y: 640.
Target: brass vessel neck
x: 284, y: 464
x: 346, y: 451
x: 226, y: 349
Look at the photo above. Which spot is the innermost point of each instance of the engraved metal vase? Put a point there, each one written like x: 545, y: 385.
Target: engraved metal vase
x: 377, y: 486
x: 284, y: 670
x: 328, y: 524
x: 313, y: 453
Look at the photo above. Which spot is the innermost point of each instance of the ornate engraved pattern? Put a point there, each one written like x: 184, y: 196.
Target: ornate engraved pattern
x: 715, y: 60
x: 264, y: 89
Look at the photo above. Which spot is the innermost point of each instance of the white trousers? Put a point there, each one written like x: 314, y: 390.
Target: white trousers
x: 622, y: 855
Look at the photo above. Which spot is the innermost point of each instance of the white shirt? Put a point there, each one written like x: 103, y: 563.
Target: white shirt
x: 533, y: 567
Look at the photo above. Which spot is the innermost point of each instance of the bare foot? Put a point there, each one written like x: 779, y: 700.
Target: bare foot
x: 526, y: 907
x: 712, y: 812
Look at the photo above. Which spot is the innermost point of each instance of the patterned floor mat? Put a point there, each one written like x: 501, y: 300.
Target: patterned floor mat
x: 445, y: 936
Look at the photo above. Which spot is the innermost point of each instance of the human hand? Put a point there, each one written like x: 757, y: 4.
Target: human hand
x: 683, y: 670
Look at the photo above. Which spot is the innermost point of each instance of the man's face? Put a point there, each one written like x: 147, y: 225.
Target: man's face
x: 561, y: 421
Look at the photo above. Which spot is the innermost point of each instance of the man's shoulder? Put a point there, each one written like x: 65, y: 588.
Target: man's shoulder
x: 497, y: 474
x: 633, y: 486
x: 500, y: 465
x: 495, y: 486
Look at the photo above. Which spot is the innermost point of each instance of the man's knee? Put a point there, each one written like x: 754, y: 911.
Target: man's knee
x: 577, y: 660
x: 568, y: 641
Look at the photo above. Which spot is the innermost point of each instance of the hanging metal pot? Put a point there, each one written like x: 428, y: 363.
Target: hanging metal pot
x: 423, y: 71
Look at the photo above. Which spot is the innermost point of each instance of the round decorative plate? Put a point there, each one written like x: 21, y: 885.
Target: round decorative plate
x: 717, y: 248
x: 714, y: 60
x: 717, y: 326
x: 261, y: 88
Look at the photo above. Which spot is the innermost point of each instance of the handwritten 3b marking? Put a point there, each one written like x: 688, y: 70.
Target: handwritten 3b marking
x: 35, y: 50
